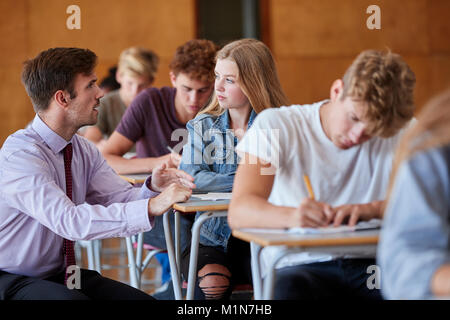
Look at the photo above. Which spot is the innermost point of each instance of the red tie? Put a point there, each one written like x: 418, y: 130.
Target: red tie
x: 69, y: 253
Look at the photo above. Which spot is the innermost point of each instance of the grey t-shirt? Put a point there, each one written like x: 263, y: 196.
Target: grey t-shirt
x: 110, y: 112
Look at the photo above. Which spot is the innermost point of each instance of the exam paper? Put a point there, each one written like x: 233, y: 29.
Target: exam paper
x: 362, y: 225
x: 212, y: 196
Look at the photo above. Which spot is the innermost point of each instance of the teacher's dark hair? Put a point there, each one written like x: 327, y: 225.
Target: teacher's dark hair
x: 55, y: 69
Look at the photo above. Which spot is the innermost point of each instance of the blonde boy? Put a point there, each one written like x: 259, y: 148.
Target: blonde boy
x: 136, y: 71
x: 345, y: 145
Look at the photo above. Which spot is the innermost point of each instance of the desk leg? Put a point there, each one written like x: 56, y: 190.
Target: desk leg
x: 173, y: 264
x: 98, y: 263
x: 256, y: 270
x: 193, y: 257
x: 177, y: 240
x: 270, y: 278
x: 139, y: 253
x: 90, y: 252
x: 131, y: 263
x: 194, y: 249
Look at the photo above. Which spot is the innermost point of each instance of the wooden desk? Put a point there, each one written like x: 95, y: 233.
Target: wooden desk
x: 202, y: 205
x: 354, y: 242
x: 212, y: 208
x: 308, y: 240
x: 136, y: 178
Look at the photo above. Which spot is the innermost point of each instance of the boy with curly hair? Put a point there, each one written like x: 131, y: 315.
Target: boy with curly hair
x: 156, y: 115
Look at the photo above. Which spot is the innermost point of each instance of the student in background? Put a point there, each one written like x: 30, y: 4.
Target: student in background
x: 414, y: 249
x: 156, y: 113
x: 246, y: 84
x: 109, y: 83
x: 136, y: 71
x: 157, y: 119
x: 56, y: 187
x: 345, y: 145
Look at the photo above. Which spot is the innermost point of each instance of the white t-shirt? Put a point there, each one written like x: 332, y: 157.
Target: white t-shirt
x: 300, y: 147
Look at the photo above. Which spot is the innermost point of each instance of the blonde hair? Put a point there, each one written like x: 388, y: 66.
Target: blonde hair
x: 384, y: 82
x: 138, y: 62
x: 432, y: 130
x: 257, y: 78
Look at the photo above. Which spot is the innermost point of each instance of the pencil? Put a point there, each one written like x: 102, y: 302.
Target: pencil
x: 170, y: 149
x: 308, y: 186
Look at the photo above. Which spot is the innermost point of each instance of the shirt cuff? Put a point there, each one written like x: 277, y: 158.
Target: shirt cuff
x: 146, y: 190
x: 138, y: 221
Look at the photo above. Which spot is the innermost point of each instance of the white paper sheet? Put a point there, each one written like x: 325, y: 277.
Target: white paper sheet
x: 362, y: 225
x: 212, y: 196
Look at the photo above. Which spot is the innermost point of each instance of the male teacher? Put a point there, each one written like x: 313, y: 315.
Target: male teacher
x: 56, y: 187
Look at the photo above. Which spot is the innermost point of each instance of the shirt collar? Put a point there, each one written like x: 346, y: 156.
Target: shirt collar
x: 250, y: 120
x: 223, y: 121
x: 51, y: 138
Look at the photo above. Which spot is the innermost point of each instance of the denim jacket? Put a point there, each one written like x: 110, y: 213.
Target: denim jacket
x: 209, y: 157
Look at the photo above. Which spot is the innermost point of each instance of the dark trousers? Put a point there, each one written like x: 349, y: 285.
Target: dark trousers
x: 93, y: 286
x: 337, y: 279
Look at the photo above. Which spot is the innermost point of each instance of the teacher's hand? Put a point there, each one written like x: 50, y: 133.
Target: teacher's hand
x: 163, y: 177
x: 172, y: 194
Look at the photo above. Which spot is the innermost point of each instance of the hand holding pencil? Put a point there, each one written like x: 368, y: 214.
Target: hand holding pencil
x: 308, y: 186
x: 312, y: 213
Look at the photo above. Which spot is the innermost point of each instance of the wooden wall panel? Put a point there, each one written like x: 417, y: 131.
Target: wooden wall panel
x: 13, y: 35
x: 315, y: 41
x: 421, y: 65
x: 15, y: 107
x: 439, y: 26
x: 312, y: 41
x: 440, y: 74
x: 307, y: 80
x: 107, y: 27
x: 329, y: 27
x: 404, y: 26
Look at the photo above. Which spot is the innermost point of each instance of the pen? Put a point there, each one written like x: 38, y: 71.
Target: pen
x: 308, y: 186
x: 170, y: 149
